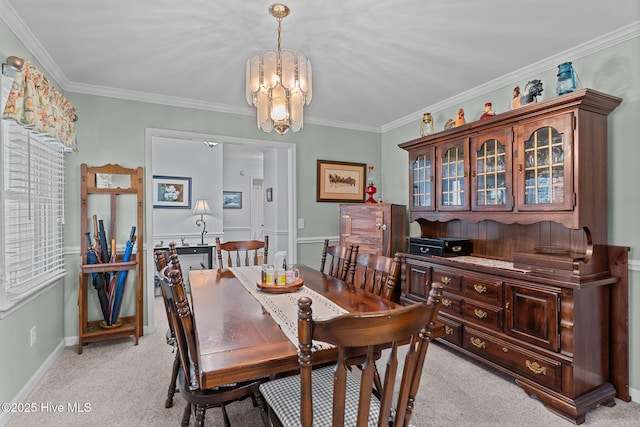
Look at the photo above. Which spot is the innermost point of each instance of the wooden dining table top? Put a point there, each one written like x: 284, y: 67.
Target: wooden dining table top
x: 238, y: 340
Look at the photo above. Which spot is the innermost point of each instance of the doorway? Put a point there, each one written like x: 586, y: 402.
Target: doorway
x: 288, y: 151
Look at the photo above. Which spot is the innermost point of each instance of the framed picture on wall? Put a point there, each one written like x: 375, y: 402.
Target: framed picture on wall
x: 171, y: 192
x: 232, y: 199
x: 340, y: 181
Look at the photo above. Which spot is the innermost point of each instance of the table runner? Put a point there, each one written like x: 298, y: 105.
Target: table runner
x: 283, y: 308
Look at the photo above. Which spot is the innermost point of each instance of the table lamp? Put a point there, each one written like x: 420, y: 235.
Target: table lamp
x: 201, y: 208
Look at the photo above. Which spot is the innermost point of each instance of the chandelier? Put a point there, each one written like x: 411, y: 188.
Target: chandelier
x: 279, y: 84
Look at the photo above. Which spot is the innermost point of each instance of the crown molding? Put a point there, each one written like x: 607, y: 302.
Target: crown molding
x: 599, y: 43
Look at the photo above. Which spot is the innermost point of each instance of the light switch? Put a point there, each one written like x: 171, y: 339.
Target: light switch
x: 300, y: 222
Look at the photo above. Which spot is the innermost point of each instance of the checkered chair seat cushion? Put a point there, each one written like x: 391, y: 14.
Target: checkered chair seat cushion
x: 283, y: 396
x: 171, y: 339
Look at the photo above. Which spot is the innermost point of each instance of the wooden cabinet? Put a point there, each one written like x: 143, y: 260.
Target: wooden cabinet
x: 379, y: 228
x: 550, y: 335
x: 543, y: 297
x: 111, y: 189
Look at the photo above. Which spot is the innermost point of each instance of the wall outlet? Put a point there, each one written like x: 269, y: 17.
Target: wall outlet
x: 32, y: 334
x: 300, y: 222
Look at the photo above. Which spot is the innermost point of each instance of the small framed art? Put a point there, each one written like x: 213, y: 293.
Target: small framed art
x: 171, y: 192
x: 232, y: 199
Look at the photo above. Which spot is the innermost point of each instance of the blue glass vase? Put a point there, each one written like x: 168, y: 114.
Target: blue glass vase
x: 566, y: 78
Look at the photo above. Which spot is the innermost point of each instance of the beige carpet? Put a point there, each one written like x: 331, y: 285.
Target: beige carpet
x: 126, y: 385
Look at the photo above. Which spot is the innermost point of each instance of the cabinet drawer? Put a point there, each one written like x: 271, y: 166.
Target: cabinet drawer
x: 481, y: 314
x: 540, y: 369
x: 483, y: 288
x: 451, y: 304
x: 452, y: 330
x: 450, y: 281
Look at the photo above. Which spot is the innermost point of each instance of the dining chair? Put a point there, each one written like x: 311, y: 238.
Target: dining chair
x: 378, y: 275
x: 333, y: 395
x: 199, y: 399
x: 163, y: 266
x: 341, y: 260
x: 242, y: 252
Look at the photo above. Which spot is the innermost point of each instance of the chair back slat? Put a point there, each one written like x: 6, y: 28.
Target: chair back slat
x: 415, y: 324
x: 341, y: 261
x: 242, y: 252
x: 378, y: 275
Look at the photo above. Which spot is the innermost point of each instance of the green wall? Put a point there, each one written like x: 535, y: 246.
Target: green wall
x: 112, y: 131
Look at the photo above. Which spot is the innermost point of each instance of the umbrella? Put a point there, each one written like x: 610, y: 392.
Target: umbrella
x: 98, y: 281
x: 122, y: 276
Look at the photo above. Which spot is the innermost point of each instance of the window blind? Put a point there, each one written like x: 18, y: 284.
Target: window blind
x: 32, y: 211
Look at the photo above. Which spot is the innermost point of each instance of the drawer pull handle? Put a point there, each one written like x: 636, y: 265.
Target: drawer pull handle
x: 446, y: 280
x: 381, y: 226
x: 480, y: 289
x: 536, y: 368
x: 446, y: 302
x: 448, y: 330
x: 345, y: 235
x: 477, y: 342
x: 424, y: 250
x: 480, y: 314
x: 505, y: 349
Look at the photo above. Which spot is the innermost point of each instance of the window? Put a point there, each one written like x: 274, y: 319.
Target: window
x: 32, y: 211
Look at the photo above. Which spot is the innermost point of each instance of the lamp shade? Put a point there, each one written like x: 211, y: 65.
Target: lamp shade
x: 201, y: 207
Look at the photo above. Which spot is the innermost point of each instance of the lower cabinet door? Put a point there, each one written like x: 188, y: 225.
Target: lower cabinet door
x: 417, y: 279
x: 531, y: 315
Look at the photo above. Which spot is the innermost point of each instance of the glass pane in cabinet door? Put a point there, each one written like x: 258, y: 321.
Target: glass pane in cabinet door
x: 490, y: 175
x: 422, y: 181
x: 453, y: 177
x: 544, y: 167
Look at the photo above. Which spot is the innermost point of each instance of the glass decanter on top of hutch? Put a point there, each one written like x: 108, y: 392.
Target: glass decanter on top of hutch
x: 543, y: 297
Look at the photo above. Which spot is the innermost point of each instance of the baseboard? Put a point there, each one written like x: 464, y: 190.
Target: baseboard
x: 33, y: 381
x: 635, y: 394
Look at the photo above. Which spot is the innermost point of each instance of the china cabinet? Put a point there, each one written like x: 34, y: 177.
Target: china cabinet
x: 542, y: 298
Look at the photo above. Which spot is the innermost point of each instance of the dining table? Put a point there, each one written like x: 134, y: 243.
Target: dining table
x: 237, y: 337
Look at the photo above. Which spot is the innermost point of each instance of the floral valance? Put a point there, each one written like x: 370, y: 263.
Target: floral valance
x: 34, y: 103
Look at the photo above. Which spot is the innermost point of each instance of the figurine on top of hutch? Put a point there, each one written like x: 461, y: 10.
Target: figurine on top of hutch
x: 542, y: 298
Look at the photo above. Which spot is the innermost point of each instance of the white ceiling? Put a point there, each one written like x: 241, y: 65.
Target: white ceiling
x: 374, y: 62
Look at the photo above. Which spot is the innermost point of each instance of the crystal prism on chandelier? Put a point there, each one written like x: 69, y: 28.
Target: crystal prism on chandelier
x: 279, y: 84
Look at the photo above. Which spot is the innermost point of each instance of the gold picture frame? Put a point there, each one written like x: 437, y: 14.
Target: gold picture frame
x: 341, y: 181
